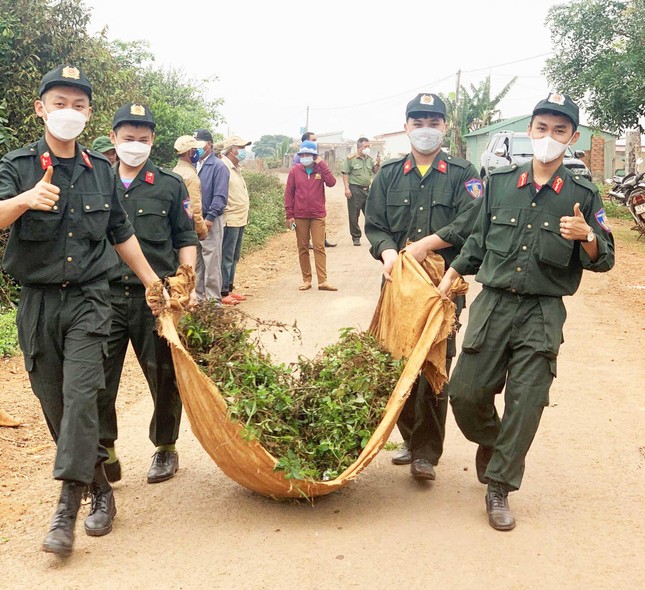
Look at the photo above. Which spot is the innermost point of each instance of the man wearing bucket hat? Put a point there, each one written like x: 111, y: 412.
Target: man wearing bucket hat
x: 187, y: 148
x: 157, y: 203
x: 428, y: 200
x: 236, y: 215
x: 103, y: 145
x: 539, y: 227
x: 61, y: 203
x: 304, y: 200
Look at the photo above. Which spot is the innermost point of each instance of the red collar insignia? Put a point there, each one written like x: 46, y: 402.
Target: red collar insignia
x: 557, y: 185
x: 523, y: 179
x: 442, y: 166
x: 407, y: 167
x: 87, y: 160
x: 150, y: 177
x: 45, y: 161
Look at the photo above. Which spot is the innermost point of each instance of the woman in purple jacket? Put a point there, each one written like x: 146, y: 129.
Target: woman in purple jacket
x: 304, y: 202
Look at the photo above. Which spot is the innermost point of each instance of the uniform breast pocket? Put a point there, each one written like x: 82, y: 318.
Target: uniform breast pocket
x: 40, y: 226
x: 553, y: 249
x: 96, y: 213
x: 503, y: 225
x: 443, y: 209
x: 151, y: 221
x: 398, y: 210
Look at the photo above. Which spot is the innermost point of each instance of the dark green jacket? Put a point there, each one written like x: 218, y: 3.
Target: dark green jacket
x: 404, y: 206
x: 516, y: 243
x: 69, y: 244
x: 158, y: 205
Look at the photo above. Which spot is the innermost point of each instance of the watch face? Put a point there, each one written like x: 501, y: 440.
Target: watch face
x: 591, y: 236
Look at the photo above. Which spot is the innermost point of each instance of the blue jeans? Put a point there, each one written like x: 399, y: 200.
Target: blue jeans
x: 231, y: 251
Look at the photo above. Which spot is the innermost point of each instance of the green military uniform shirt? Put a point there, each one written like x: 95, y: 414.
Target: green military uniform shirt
x: 358, y: 170
x: 158, y: 205
x: 403, y: 205
x: 516, y: 243
x: 66, y: 245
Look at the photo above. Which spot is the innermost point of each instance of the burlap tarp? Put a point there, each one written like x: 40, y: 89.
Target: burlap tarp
x: 411, y: 321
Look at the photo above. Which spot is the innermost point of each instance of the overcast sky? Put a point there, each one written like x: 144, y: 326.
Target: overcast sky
x: 356, y: 64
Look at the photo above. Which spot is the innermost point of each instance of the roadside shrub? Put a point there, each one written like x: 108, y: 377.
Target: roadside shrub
x: 266, y: 214
x: 8, y: 333
x: 9, y: 290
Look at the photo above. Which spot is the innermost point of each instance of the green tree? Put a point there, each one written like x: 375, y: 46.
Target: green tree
x: 599, y: 58
x: 473, y: 110
x: 272, y: 146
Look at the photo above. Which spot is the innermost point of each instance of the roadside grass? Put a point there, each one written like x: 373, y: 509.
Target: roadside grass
x: 8, y: 333
x: 266, y: 214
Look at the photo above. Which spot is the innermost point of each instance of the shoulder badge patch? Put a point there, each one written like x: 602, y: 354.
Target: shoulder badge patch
x: 150, y: 177
x: 442, y: 167
x: 474, y: 187
x: 187, y: 208
x: 601, y: 218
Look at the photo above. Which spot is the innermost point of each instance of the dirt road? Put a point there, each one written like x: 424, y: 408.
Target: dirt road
x: 579, y: 512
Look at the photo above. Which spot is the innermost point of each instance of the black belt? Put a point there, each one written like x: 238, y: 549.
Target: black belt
x: 65, y: 284
x: 510, y: 293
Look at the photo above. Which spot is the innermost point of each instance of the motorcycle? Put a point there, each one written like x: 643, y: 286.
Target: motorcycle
x: 621, y: 186
x: 636, y: 205
x: 630, y: 192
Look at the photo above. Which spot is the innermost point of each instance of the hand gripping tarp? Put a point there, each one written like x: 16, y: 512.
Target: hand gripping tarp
x: 410, y: 320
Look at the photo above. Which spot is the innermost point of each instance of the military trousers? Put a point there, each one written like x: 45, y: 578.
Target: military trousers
x: 511, y: 345
x: 132, y: 321
x: 422, y: 422
x: 63, y: 336
x: 356, y: 204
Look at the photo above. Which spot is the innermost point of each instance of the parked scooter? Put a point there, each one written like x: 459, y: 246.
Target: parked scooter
x: 630, y: 191
x: 621, y: 186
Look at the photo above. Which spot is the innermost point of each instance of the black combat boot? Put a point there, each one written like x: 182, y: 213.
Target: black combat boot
x: 60, y: 538
x: 103, y: 511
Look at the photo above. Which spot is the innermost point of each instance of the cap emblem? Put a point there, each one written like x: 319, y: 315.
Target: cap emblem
x: 70, y: 72
x: 138, y: 110
x: 426, y: 99
x: 556, y: 98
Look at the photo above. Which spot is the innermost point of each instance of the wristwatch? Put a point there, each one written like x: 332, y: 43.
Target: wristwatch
x: 591, y: 236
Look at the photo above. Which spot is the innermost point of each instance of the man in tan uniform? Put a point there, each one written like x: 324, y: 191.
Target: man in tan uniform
x: 187, y: 148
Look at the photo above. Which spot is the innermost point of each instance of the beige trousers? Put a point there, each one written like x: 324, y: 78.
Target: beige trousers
x: 314, y: 228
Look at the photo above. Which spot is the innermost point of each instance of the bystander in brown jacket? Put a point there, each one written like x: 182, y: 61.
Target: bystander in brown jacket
x: 187, y: 148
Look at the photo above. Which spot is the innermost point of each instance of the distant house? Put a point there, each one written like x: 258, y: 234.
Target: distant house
x: 619, y: 158
x: 599, y: 146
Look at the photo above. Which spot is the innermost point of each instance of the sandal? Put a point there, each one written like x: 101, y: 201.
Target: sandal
x: 304, y: 286
x: 326, y: 287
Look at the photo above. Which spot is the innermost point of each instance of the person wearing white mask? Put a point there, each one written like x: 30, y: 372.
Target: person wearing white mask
x: 431, y: 199
x: 62, y: 205
x: 158, y: 205
x: 539, y: 227
x: 358, y: 169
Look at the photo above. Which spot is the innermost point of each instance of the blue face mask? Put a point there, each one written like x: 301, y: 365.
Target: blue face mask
x: 241, y: 155
x: 200, y: 153
x: 307, y: 161
x: 196, y: 155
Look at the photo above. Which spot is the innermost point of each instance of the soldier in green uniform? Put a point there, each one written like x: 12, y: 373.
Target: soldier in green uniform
x: 61, y: 203
x: 358, y: 170
x: 158, y: 205
x: 539, y: 227
x: 430, y: 199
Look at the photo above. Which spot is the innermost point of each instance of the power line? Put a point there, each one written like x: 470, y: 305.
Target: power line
x: 508, y: 63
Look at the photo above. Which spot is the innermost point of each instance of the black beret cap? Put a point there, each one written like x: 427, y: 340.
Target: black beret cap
x: 133, y: 112
x: 560, y: 103
x: 65, y: 76
x: 426, y: 103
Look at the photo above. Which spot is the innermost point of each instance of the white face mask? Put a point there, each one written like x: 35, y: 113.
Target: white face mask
x: 426, y: 139
x: 546, y: 149
x: 307, y: 160
x: 65, y: 124
x: 367, y: 151
x: 133, y: 153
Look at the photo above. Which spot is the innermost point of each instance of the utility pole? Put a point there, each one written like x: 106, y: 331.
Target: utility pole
x: 307, y: 120
x: 455, y: 128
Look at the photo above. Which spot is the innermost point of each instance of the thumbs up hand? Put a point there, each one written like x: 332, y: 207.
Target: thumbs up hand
x: 44, y: 195
x: 574, y: 228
